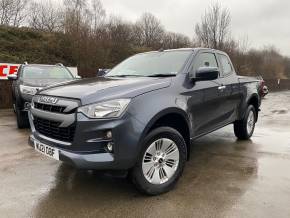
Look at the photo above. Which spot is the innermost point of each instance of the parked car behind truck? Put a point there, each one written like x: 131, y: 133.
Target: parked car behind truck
x: 263, y: 89
x: 31, y: 78
x: 143, y: 115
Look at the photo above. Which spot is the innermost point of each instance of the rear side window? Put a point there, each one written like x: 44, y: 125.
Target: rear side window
x: 226, y: 64
x: 205, y: 60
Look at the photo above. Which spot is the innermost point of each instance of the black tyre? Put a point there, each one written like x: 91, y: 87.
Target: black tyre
x: 14, y: 108
x: 14, y: 105
x: 245, y: 127
x: 161, y: 161
x: 22, y: 119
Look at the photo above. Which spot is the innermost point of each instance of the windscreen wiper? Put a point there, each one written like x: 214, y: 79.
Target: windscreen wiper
x: 162, y: 75
x: 125, y: 75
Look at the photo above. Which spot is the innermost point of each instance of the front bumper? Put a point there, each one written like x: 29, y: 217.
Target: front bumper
x: 85, y: 161
x: 23, y: 102
x: 88, y: 149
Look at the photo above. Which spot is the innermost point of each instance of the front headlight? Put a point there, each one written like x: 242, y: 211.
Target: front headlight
x: 107, y: 109
x: 28, y: 90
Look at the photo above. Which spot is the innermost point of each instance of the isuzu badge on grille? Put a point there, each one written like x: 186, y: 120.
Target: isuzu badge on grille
x: 47, y: 99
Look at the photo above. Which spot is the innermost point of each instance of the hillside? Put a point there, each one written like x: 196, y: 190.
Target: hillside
x: 22, y: 44
x: 18, y: 45
x: 112, y: 45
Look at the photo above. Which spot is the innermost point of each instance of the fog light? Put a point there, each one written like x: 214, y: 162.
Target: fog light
x: 109, y: 134
x: 27, y: 106
x: 110, y: 146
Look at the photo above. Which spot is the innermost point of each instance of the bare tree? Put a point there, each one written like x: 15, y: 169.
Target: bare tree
x: 19, y: 12
x: 175, y: 40
x: 149, y: 31
x: 238, y: 50
x: 267, y: 62
x: 78, y: 22
x: 12, y: 12
x: 99, y: 14
x: 74, y: 12
x: 213, y: 31
x: 45, y: 16
x: 5, y: 7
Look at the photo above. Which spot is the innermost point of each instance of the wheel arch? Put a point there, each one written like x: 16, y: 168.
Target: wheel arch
x: 175, y: 118
x: 254, y: 100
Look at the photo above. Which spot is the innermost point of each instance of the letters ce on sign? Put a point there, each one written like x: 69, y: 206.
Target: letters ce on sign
x: 7, y: 69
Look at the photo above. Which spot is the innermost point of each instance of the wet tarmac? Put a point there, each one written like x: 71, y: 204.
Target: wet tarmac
x: 224, y: 177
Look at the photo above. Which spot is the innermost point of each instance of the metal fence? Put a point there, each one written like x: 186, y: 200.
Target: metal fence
x: 6, y: 95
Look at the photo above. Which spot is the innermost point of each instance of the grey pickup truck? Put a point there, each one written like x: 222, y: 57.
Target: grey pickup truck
x: 143, y: 115
x: 29, y: 79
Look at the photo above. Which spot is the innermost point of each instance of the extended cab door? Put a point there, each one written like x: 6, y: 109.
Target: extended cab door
x: 207, y: 114
x: 230, y: 88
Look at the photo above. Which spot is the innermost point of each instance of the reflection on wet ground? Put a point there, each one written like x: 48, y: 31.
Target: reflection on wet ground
x: 223, y: 178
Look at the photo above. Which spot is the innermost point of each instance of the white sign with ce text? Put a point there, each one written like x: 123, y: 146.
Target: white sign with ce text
x: 7, y: 69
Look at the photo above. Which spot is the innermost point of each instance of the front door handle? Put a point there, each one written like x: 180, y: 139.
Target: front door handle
x: 221, y: 87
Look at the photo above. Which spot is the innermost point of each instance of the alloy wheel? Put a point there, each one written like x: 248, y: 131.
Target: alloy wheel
x: 160, y: 161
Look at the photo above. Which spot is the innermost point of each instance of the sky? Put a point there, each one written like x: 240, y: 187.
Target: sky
x: 262, y: 22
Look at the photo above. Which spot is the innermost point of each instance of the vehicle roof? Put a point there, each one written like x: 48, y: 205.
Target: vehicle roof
x: 43, y: 65
x: 186, y: 49
x: 193, y: 49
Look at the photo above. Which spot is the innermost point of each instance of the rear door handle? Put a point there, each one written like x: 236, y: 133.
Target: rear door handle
x: 221, y: 87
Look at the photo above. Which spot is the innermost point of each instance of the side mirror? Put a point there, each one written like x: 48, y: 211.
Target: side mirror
x: 12, y: 77
x: 102, y: 72
x: 78, y: 77
x: 206, y: 73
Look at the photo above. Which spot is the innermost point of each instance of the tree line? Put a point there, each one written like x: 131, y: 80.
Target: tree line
x: 214, y: 31
x: 80, y: 33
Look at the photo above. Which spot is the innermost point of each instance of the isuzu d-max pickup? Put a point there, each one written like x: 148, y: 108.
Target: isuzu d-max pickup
x: 143, y: 115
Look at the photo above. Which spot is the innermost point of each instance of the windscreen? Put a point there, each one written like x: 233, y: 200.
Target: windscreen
x: 153, y: 63
x: 46, y: 72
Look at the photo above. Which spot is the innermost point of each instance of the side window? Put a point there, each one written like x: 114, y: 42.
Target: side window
x: 205, y: 60
x: 226, y: 64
